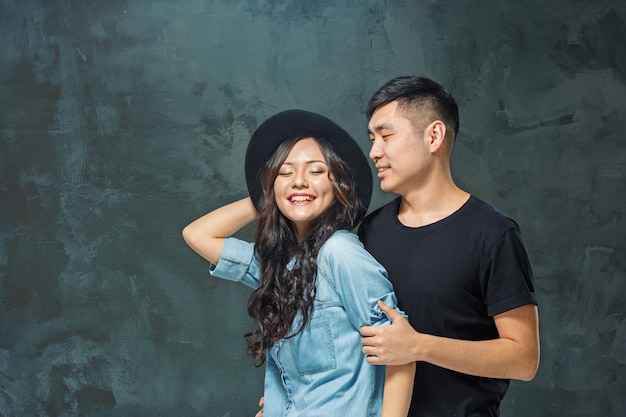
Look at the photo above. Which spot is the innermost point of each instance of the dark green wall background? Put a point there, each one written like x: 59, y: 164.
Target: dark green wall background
x: 121, y: 121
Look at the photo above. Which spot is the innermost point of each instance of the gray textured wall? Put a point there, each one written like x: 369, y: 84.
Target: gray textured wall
x: 121, y: 121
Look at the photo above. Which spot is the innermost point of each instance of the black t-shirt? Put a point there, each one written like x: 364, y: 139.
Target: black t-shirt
x: 451, y: 277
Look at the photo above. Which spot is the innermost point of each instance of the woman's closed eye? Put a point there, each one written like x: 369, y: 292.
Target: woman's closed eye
x: 318, y: 169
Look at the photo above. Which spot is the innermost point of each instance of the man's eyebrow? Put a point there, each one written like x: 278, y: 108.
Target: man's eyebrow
x: 379, y: 127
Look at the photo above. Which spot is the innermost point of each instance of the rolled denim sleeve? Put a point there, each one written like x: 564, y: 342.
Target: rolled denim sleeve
x: 238, y: 263
x: 358, y: 278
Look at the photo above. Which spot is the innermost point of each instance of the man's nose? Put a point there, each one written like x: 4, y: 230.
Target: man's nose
x: 376, y: 151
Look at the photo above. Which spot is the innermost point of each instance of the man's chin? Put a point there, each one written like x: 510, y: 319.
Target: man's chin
x: 386, y: 187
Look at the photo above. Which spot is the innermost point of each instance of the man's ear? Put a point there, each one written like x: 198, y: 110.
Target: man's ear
x: 436, y: 133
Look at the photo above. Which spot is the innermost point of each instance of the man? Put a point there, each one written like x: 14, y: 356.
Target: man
x: 458, y: 265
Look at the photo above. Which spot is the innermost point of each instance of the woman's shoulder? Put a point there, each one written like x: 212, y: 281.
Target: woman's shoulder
x: 342, y: 237
x: 341, y: 243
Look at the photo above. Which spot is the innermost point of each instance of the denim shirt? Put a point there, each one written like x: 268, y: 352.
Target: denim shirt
x: 322, y: 371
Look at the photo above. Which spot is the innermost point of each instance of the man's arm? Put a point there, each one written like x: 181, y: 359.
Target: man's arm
x: 514, y: 355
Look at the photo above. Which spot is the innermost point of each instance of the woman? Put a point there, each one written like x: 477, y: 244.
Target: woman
x: 315, y: 285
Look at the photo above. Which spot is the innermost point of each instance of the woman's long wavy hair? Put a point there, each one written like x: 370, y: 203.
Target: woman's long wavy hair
x: 286, y: 291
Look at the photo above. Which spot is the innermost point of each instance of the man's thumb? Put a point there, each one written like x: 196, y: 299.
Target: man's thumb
x: 391, y: 313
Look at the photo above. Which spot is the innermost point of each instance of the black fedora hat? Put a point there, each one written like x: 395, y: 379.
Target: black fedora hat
x: 292, y: 123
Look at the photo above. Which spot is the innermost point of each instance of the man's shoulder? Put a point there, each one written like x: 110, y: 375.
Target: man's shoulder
x: 382, y: 212
x: 489, y: 214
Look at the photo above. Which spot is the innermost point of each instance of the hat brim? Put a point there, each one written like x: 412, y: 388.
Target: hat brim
x: 293, y: 123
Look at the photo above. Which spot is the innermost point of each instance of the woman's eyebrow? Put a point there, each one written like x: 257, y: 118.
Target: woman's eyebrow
x: 312, y: 161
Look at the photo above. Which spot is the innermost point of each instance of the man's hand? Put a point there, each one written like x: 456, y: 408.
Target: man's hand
x: 261, y: 402
x: 389, y: 345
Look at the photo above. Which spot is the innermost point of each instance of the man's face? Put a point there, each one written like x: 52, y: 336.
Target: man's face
x: 399, y: 151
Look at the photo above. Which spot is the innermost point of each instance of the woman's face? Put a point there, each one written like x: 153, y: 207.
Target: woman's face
x: 303, y: 187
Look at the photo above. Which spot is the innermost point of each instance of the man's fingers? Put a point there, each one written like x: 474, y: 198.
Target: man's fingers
x: 370, y: 355
x: 393, y: 314
x: 261, y: 403
x: 367, y: 350
x: 368, y: 331
x: 373, y: 360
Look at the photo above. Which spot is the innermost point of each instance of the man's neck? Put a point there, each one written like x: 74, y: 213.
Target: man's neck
x: 429, y: 205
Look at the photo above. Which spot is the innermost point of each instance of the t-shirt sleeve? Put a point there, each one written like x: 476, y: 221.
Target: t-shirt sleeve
x: 358, y: 278
x: 507, y: 275
x: 238, y: 263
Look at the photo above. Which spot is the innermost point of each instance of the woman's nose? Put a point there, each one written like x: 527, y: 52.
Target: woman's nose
x: 299, y: 180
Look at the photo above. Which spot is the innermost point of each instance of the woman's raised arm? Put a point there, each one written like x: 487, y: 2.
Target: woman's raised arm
x: 206, y: 235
